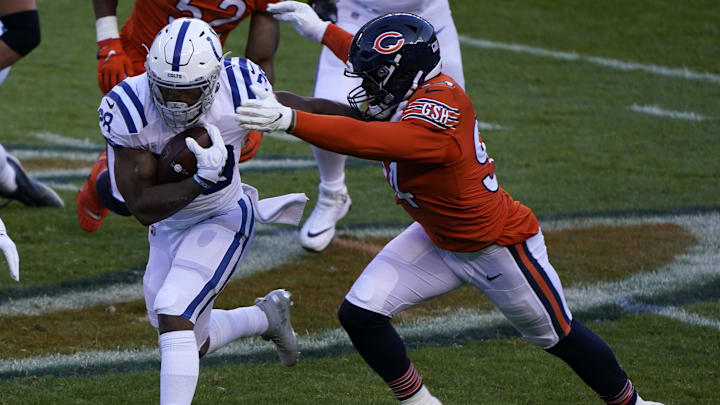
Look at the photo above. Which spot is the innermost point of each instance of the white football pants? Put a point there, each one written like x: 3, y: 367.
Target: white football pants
x: 188, y: 268
x: 518, y: 279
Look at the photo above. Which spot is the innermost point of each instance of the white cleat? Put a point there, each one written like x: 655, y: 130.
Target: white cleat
x: 276, y: 306
x: 641, y: 401
x: 319, y: 229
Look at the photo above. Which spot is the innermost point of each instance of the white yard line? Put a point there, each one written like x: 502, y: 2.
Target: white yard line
x: 661, y: 112
x: 598, y: 60
x: 66, y: 141
x: 699, y: 263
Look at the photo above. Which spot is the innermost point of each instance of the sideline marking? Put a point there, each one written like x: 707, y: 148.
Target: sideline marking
x: 661, y: 112
x: 598, y: 60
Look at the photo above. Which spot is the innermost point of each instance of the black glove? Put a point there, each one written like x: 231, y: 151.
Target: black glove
x: 325, y: 9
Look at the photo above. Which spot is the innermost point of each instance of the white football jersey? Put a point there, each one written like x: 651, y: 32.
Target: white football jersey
x: 393, y: 6
x: 128, y: 118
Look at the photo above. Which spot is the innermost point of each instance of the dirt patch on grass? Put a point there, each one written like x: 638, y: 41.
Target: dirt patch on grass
x: 319, y: 283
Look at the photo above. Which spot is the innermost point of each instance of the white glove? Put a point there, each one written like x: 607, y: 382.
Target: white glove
x: 301, y: 16
x: 11, y: 254
x: 210, y: 161
x: 264, y: 113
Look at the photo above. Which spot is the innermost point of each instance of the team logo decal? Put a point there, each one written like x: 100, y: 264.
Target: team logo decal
x: 388, y: 42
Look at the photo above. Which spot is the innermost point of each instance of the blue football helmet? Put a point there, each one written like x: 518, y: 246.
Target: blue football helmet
x: 392, y: 54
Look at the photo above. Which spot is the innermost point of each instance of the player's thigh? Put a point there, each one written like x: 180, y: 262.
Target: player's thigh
x: 330, y: 80
x: 406, y: 272
x: 205, y: 260
x: 439, y: 15
x: 523, y: 285
x: 158, y: 266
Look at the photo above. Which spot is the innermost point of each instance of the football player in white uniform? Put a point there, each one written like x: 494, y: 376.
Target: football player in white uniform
x: 333, y: 200
x: 20, y: 34
x: 200, y: 227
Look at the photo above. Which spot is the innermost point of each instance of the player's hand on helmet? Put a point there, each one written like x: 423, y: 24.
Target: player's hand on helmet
x: 113, y: 64
x: 251, y: 144
x: 11, y: 253
x: 210, y: 161
x: 264, y: 113
x: 301, y: 16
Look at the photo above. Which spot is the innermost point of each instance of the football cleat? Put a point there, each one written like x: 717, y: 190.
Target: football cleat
x: 29, y: 191
x: 90, y: 211
x: 641, y: 401
x: 319, y: 229
x: 276, y: 306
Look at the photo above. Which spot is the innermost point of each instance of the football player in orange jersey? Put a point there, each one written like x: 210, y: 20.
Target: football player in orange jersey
x: 122, y: 54
x: 467, y: 229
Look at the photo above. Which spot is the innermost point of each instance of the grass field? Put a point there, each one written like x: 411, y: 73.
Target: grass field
x: 603, y: 117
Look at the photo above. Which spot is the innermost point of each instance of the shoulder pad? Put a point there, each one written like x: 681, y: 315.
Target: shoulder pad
x: 241, y: 74
x: 121, y: 113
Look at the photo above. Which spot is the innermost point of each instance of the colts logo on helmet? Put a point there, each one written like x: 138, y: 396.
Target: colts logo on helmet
x: 388, y: 42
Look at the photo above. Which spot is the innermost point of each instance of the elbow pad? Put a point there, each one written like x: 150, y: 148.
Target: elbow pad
x: 22, y: 31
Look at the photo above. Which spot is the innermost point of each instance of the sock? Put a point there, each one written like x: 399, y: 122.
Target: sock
x: 7, y: 173
x: 409, y: 388
x: 179, y: 367
x: 103, y: 187
x: 593, y: 361
x: 382, y: 348
x: 228, y: 326
x: 332, y: 168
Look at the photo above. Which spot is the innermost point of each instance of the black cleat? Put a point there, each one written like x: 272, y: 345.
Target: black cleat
x: 31, y: 192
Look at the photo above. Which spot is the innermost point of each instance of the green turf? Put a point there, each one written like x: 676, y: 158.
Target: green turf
x: 570, y: 145
x: 491, y: 372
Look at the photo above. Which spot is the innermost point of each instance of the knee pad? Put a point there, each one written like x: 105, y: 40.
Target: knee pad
x: 353, y: 318
x: 23, y: 31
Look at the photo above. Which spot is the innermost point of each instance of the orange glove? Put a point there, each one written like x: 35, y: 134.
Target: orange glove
x: 113, y: 65
x: 251, y: 144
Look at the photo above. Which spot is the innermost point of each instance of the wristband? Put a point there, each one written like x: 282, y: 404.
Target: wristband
x: 201, y: 182
x: 106, y: 28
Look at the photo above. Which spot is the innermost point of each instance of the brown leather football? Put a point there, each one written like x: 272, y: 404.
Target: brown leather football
x: 176, y: 161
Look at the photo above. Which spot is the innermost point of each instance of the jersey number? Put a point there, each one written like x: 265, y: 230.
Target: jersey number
x: 197, y: 12
x: 391, y: 178
x: 490, y: 181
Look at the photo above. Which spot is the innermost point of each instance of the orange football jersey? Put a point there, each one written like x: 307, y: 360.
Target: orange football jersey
x: 149, y: 16
x: 435, y: 160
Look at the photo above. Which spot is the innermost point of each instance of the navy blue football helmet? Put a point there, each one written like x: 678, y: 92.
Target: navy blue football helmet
x: 392, y: 54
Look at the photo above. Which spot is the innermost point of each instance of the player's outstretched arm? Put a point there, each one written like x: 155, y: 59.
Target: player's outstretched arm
x: 22, y: 30
x: 113, y: 64
x: 10, y: 251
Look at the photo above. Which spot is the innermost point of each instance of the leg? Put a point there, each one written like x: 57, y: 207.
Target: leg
x: 523, y: 284
x: 333, y: 200
x: 16, y: 184
x: 439, y: 15
x: 91, y: 212
x: 406, y: 272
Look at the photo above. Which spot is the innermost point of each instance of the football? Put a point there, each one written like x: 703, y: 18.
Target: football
x: 176, y: 161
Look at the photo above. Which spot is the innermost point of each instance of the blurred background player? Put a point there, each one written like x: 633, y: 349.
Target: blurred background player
x: 122, y: 54
x: 467, y: 230
x: 201, y: 227
x: 333, y: 200
x: 10, y: 252
x: 20, y: 34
